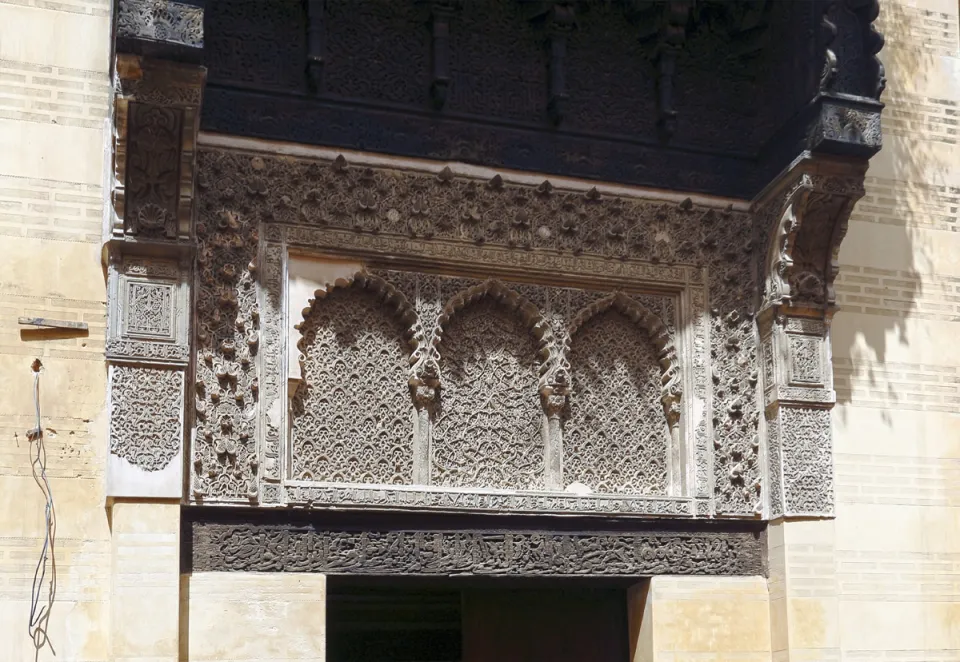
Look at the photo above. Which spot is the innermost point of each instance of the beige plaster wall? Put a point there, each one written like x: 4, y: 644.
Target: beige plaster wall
x: 248, y: 617
x: 53, y: 103
x: 896, y: 345
x: 700, y: 619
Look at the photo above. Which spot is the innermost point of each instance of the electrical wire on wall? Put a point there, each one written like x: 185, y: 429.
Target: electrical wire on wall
x: 44, y: 588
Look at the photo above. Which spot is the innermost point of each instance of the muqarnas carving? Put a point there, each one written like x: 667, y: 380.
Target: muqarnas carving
x: 225, y: 458
x: 146, y: 410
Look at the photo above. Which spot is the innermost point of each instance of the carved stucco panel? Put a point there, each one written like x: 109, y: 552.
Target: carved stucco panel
x: 146, y: 415
x: 351, y: 417
x: 807, y: 457
x: 806, y: 360
x: 147, y: 319
x: 616, y: 437
x: 371, y: 211
x: 488, y: 431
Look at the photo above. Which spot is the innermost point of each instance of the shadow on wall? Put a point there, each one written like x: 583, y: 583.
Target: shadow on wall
x: 907, y: 188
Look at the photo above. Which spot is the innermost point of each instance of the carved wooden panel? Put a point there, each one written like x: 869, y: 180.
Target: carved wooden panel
x: 152, y: 192
x: 352, y: 416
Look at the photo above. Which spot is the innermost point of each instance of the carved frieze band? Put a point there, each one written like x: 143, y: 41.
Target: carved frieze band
x: 441, y: 218
x: 355, y: 496
x: 278, y: 548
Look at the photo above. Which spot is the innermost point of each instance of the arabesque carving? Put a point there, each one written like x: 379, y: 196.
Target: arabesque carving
x: 802, y: 264
x: 278, y: 548
x: 146, y: 415
x: 488, y: 425
x: 161, y: 20
x: 449, y: 402
x: 351, y: 416
x: 446, y: 218
x: 808, y: 217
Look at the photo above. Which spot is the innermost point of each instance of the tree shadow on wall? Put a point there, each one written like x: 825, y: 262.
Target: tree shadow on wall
x: 879, y: 286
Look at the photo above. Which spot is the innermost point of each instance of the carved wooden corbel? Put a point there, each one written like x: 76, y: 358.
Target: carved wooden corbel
x: 157, y: 118
x: 670, y: 40
x: 809, y: 222
x: 562, y: 22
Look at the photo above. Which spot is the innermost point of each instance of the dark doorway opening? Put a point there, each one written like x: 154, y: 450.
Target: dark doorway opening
x: 476, y: 620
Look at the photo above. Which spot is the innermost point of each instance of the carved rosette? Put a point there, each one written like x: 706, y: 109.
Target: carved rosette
x: 808, y: 213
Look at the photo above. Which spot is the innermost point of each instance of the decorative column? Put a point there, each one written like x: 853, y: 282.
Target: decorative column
x: 806, y: 213
x: 149, y: 251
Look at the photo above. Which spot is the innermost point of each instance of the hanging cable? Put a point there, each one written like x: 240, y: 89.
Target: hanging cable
x: 45, y: 574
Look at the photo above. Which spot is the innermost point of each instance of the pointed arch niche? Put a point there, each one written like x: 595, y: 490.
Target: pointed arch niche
x: 351, y: 415
x: 619, y: 428
x: 418, y: 388
x: 491, y: 345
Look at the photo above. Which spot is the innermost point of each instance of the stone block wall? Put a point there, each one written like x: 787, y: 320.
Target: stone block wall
x: 54, y: 86
x: 895, y: 567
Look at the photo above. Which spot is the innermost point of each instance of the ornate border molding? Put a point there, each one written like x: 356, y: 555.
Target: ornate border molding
x: 310, y: 495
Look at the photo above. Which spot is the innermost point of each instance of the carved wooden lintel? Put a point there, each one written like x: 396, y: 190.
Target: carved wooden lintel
x: 284, y: 544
